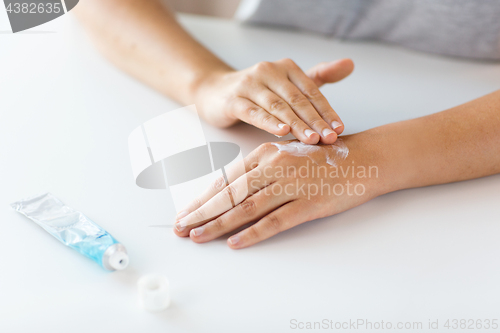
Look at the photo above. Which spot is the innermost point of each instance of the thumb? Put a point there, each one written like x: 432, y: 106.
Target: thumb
x: 329, y: 72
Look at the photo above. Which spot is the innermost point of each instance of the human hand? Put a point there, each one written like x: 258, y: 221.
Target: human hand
x: 284, y: 188
x: 277, y: 97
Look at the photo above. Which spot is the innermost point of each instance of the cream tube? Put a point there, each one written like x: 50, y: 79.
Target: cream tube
x: 74, y: 229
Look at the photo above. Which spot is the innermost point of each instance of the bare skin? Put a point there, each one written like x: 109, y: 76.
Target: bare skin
x: 144, y: 39
x: 454, y: 145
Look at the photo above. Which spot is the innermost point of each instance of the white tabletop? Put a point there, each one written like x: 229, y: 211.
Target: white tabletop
x: 411, y: 256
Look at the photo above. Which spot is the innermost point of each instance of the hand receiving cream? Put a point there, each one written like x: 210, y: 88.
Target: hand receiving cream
x: 333, y: 153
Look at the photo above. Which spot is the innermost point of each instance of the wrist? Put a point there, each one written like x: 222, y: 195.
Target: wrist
x: 397, y: 152
x: 203, y: 80
x: 381, y: 151
x: 366, y: 157
x: 211, y: 93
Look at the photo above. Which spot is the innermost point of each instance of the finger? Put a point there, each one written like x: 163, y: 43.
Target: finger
x: 218, y: 185
x: 311, y: 91
x: 253, y: 208
x: 285, y: 217
x: 229, y: 197
x: 280, y: 109
x: 233, y: 172
x: 330, y: 72
x: 302, y: 105
x: 254, y: 115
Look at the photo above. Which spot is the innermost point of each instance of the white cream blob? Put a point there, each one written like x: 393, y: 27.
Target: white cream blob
x: 333, y: 153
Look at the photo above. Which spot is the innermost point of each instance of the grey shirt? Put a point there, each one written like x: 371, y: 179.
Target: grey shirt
x: 462, y: 28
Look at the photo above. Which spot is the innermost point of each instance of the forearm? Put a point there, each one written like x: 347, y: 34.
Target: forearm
x: 457, y: 144
x: 144, y: 39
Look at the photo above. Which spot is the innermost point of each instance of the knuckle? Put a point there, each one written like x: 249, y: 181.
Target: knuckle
x: 230, y: 191
x: 248, y: 207
x: 197, y: 203
x: 219, y: 184
x: 279, y: 158
x: 315, y: 121
x: 267, y: 118
x: 251, y: 111
x: 297, y: 99
x: 253, y: 165
x: 253, y: 233
x: 261, y: 148
x: 288, y: 61
x: 312, y: 93
x: 199, y: 214
x: 244, y: 82
x: 218, y: 224
x: 294, y: 123
x: 263, y: 66
x: 276, y: 105
x: 246, y: 78
x: 265, y: 146
x: 273, y: 223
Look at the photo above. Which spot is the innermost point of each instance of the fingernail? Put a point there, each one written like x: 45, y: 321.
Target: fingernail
x: 181, y: 215
x: 234, y: 239
x: 308, y: 133
x: 197, y: 231
x: 336, y: 124
x: 281, y: 126
x: 180, y: 225
x: 327, y: 132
